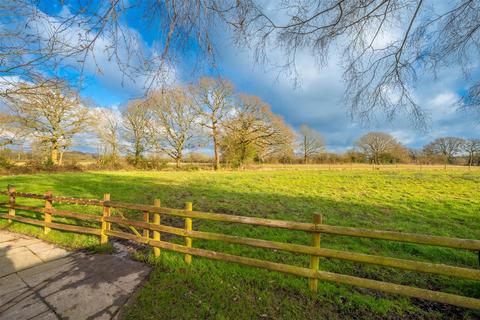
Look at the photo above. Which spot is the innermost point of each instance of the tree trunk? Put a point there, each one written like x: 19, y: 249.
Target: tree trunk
x: 216, y: 160
x: 60, y: 158
x: 138, y: 154
x: 114, y: 154
x: 304, y: 150
x: 137, y: 158
x: 243, y: 156
x: 54, y: 153
x: 375, y: 158
x: 177, y: 163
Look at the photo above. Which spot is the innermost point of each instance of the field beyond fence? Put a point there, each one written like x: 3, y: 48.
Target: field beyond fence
x: 150, y: 230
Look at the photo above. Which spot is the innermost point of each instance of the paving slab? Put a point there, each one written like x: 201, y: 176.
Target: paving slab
x: 11, y: 286
x: 48, y: 315
x: 40, y: 246
x: 12, y: 262
x: 52, y: 283
x: 24, y: 306
x: 52, y: 254
x: 43, y: 272
x: 6, y: 237
x: 12, y: 251
x: 15, y: 243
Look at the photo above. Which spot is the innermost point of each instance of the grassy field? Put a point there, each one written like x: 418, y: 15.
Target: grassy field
x: 436, y: 202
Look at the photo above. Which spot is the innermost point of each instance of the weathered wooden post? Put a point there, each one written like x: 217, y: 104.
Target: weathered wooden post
x: 156, y: 234
x: 11, y: 201
x: 188, y: 227
x: 146, y: 219
x: 47, y: 213
x: 105, y: 224
x: 315, y: 260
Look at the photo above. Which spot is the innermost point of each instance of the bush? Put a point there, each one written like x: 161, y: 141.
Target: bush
x: 148, y: 163
x: 190, y: 167
x: 48, y: 164
x: 34, y: 166
x: 6, y: 163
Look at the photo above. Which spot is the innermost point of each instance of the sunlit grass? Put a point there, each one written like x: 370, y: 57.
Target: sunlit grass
x: 430, y: 201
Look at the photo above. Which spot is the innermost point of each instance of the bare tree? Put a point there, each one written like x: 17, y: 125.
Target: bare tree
x: 280, y: 146
x: 311, y: 142
x: 383, y: 44
x: 254, y: 127
x: 374, y: 144
x: 472, y: 148
x: 40, y: 151
x: 10, y: 134
x: 137, y: 123
x: 448, y: 147
x: 174, y: 121
x: 86, y: 33
x: 108, y: 130
x: 415, y: 154
x: 61, y: 151
x: 53, y: 115
x: 214, y: 101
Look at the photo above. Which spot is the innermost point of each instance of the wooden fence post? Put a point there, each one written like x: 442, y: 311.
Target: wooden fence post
x: 156, y: 234
x: 105, y: 224
x: 315, y: 260
x: 188, y: 227
x: 47, y: 211
x: 11, y: 201
x: 146, y: 218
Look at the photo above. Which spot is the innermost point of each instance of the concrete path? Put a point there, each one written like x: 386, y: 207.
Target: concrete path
x: 41, y: 281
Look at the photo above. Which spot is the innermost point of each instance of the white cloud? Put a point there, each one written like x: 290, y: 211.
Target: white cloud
x: 318, y: 101
x: 443, y: 103
x: 404, y: 137
x: 119, y: 67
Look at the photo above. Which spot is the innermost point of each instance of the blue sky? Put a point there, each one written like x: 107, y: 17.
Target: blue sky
x: 315, y: 102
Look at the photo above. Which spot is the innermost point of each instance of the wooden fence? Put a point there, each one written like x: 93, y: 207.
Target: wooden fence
x: 152, y: 229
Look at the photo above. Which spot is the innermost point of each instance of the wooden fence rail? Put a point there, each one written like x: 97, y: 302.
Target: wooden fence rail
x: 152, y: 230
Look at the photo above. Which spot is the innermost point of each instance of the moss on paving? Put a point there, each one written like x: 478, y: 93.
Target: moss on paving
x: 436, y: 202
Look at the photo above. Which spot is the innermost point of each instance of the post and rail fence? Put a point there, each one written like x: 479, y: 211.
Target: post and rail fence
x: 152, y: 230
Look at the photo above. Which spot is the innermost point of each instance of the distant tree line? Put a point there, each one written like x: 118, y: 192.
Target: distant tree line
x: 379, y: 147
x: 178, y: 122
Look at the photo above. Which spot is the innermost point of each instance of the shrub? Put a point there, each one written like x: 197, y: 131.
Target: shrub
x: 6, y: 163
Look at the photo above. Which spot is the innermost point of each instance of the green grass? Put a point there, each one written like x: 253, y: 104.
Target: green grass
x: 433, y: 202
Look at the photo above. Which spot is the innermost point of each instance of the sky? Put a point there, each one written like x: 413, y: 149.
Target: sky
x: 316, y: 101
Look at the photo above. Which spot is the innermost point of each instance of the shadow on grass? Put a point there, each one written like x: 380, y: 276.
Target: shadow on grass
x: 217, y: 198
